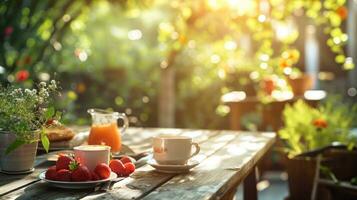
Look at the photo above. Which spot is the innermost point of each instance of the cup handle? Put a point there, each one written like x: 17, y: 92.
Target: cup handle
x: 126, y: 122
x: 197, y: 147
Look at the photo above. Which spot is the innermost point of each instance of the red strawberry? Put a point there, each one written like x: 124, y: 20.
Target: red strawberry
x: 79, y: 172
x: 82, y: 173
x: 63, y: 162
x: 64, y: 175
x: 129, y: 168
x: 95, y: 177
x: 125, y: 159
x: 51, y: 173
x: 102, y: 170
x: 117, y: 167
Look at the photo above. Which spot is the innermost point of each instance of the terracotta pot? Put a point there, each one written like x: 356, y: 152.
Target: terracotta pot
x: 300, y: 84
x: 19, y: 160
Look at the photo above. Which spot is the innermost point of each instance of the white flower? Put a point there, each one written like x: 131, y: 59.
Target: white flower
x: 52, y: 85
x: 42, y: 85
x: 40, y: 100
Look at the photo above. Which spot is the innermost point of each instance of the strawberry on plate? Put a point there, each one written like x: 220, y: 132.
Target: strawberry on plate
x: 63, y: 162
x: 102, y: 170
x: 117, y: 167
x: 80, y: 173
x: 63, y: 175
x: 51, y: 173
x: 129, y: 168
x: 95, y: 177
x: 126, y: 159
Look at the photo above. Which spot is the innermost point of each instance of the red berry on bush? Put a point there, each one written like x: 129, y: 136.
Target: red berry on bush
x: 8, y: 31
x: 22, y: 75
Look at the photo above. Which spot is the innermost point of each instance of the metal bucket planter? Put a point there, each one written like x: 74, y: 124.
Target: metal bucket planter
x: 302, y: 169
x: 21, y: 159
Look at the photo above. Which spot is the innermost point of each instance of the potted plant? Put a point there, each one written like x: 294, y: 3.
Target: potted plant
x: 300, y: 82
x: 310, y: 130
x: 23, y: 115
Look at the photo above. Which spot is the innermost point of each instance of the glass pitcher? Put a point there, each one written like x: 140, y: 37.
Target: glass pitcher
x: 104, y: 129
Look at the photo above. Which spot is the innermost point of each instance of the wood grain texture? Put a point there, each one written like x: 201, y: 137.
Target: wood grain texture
x: 213, y: 178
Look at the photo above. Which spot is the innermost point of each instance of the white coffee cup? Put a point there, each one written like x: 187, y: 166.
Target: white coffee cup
x: 173, y: 150
x: 92, y: 155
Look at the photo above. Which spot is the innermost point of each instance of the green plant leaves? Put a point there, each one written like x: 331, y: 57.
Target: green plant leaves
x: 328, y: 172
x: 50, y: 112
x: 301, y: 134
x: 45, y: 141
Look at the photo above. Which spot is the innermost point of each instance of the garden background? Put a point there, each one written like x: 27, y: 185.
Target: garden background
x: 167, y: 63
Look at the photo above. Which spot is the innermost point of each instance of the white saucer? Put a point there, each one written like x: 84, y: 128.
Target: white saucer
x: 17, y: 172
x: 76, y: 185
x: 173, y: 168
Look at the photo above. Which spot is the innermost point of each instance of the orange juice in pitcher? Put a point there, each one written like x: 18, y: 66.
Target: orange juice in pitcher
x: 104, y: 129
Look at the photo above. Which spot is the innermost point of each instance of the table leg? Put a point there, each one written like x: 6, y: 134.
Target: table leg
x: 250, y: 186
x: 231, y: 194
x: 235, y: 116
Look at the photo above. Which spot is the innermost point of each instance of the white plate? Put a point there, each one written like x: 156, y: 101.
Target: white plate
x: 173, y: 168
x: 76, y: 185
x: 17, y: 172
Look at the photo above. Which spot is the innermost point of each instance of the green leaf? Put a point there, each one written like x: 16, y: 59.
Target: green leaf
x: 350, y: 146
x: 73, y: 165
x: 327, y: 171
x: 17, y: 143
x: 45, y: 142
x: 49, y: 113
x: 58, y: 115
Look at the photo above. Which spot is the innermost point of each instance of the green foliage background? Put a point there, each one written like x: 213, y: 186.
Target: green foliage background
x: 85, y: 45
x: 302, y: 135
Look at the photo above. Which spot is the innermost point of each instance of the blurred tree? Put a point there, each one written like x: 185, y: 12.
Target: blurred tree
x: 29, y: 29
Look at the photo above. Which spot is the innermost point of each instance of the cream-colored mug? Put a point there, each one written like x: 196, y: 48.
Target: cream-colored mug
x: 173, y: 150
x: 92, y: 155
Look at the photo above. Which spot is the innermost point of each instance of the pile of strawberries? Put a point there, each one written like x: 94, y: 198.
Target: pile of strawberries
x: 69, y: 169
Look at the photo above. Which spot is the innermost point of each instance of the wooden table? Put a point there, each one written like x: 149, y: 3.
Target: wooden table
x: 227, y: 158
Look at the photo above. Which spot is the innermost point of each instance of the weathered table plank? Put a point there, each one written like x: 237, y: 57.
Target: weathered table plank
x: 241, y: 154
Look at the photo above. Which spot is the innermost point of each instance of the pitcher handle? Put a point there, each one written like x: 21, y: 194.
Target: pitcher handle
x: 125, y: 120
